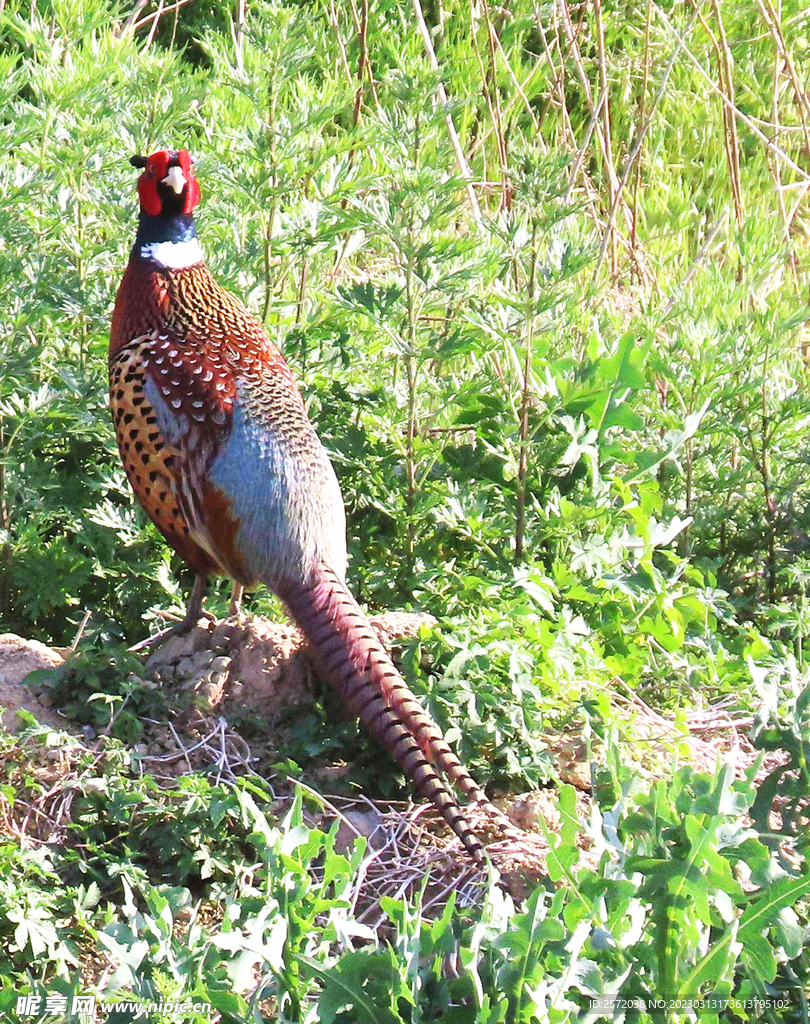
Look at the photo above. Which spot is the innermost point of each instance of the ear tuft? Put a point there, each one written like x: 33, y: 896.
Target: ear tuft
x: 138, y: 161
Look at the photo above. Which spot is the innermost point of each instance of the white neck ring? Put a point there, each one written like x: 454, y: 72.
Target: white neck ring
x: 173, y: 255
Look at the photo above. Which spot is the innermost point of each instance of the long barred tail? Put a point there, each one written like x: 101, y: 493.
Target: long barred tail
x: 351, y: 658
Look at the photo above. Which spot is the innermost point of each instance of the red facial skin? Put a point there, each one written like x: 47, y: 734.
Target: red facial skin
x: 157, y: 167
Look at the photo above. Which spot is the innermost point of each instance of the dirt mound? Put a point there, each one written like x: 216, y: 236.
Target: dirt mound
x: 221, y: 676
x: 19, y: 657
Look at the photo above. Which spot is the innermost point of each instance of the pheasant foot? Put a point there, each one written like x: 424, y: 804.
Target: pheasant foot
x: 194, y: 613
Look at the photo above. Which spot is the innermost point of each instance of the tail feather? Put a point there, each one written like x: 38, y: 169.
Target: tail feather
x: 352, y: 659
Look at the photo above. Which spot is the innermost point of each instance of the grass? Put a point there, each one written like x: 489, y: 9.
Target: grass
x: 542, y: 274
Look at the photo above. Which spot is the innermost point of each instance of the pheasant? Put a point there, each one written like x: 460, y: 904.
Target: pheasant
x: 220, y: 453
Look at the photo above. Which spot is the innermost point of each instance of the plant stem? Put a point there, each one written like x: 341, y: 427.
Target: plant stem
x: 441, y: 92
x: 411, y: 374
x: 634, y: 269
x: 523, y: 461
x: 765, y: 469
x: 268, y: 231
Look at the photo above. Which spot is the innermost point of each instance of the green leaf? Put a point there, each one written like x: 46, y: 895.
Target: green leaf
x: 360, y: 981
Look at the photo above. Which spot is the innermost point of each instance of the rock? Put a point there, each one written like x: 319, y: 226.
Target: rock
x: 18, y: 657
x: 394, y: 627
x: 359, y: 823
x: 527, y: 810
x: 173, y: 650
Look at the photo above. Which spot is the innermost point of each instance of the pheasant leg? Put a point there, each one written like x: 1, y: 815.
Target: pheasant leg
x: 237, y: 593
x: 194, y: 612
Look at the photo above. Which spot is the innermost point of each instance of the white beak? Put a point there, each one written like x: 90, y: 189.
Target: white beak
x: 176, y: 179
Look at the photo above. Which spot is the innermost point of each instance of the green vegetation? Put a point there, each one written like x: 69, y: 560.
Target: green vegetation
x: 546, y: 298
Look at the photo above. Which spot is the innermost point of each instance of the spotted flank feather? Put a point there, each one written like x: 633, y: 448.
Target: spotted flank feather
x: 150, y: 462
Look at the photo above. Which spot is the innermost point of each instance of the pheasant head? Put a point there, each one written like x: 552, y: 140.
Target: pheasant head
x: 167, y: 185
x: 168, y: 192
